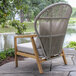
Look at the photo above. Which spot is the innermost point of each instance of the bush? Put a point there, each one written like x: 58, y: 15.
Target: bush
x: 6, y: 53
x: 2, y: 55
x: 19, y: 26
x: 72, y: 21
x: 10, y: 52
x: 72, y: 44
x: 3, y: 25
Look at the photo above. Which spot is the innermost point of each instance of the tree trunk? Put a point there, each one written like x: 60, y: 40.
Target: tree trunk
x: 28, y: 17
x: 21, y: 16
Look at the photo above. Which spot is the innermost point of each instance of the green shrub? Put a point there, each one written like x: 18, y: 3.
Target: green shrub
x: 2, y: 55
x: 21, y: 27
x: 3, y: 25
x: 72, y: 44
x: 6, y: 53
x: 10, y: 52
x: 72, y: 21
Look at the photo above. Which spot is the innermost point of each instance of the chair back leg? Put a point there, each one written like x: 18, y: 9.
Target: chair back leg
x: 64, y: 58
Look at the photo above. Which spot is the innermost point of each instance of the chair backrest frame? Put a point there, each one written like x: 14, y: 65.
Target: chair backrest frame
x: 49, y: 18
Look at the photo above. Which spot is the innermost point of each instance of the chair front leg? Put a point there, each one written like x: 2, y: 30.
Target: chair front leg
x: 64, y: 58
x: 36, y: 55
x: 16, y: 58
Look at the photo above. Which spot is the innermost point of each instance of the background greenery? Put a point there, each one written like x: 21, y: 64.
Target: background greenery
x: 72, y: 44
x: 27, y: 11
x: 8, y: 28
x: 6, y: 53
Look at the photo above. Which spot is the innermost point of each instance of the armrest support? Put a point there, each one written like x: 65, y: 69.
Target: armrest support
x: 21, y: 36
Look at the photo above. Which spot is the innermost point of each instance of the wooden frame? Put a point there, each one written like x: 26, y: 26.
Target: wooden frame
x: 35, y: 56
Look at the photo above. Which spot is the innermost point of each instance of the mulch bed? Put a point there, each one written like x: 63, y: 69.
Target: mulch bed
x: 9, y: 59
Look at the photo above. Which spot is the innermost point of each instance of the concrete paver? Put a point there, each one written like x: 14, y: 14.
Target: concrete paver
x: 28, y: 67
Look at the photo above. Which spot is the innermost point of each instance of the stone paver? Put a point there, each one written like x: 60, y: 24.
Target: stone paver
x: 72, y: 73
x: 28, y: 67
x: 24, y: 74
x: 31, y: 74
x: 53, y: 73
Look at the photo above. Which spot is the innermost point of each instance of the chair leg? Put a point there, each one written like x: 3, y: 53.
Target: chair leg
x: 16, y: 60
x: 39, y: 65
x: 37, y: 56
x: 64, y: 58
x: 15, y: 45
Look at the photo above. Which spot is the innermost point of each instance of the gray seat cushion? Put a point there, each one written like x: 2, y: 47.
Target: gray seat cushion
x: 28, y: 48
x: 37, y: 42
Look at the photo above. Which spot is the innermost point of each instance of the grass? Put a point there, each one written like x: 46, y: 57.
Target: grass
x: 30, y: 28
x: 9, y: 29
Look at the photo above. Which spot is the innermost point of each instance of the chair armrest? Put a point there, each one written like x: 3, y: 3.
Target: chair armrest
x: 22, y: 36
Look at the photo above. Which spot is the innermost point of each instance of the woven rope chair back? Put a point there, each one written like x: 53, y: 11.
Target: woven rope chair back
x: 53, y: 21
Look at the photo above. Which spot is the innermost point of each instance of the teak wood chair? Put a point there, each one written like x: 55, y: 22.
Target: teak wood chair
x: 50, y: 33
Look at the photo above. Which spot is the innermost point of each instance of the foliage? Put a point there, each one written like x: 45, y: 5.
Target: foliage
x: 2, y: 55
x: 73, y: 13
x: 21, y: 7
x: 6, y: 53
x: 72, y: 44
x: 27, y: 9
x: 19, y: 26
x: 3, y: 25
x: 10, y: 52
x: 72, y: 21
x: 35, y: 6
x: 29, y: 28
x: 5, y: 9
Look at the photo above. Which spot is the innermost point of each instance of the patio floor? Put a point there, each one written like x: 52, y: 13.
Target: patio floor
x: 28, y: 67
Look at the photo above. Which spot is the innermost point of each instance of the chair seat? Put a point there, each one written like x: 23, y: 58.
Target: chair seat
x: 28, y: 48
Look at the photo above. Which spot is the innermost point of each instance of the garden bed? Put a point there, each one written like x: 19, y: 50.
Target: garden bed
x: 8, y: 56
x: 9, y: 59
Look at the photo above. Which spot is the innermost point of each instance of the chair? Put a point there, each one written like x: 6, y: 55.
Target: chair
x: 50, y: 33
